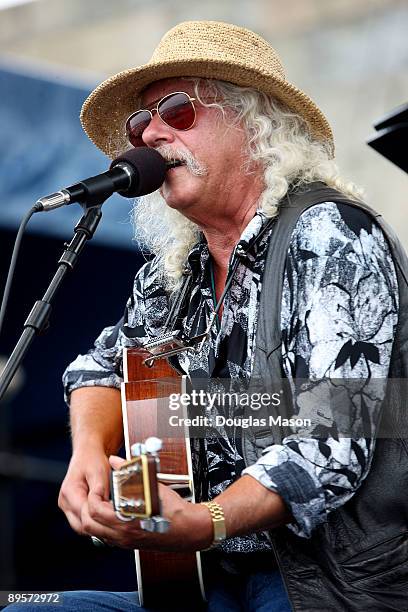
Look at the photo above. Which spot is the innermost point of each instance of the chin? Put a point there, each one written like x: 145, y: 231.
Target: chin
x: 177, y: 205
x: 175, y: 200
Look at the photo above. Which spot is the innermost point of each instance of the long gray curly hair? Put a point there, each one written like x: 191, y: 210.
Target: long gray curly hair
x: 277, y: 138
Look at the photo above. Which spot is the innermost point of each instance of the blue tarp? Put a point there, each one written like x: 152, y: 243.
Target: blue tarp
x: 42, y: 149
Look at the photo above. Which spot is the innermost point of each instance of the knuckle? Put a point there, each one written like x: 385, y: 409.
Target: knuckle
x: 63, y: 504
x: 93, y: 512
x: 86, y: 526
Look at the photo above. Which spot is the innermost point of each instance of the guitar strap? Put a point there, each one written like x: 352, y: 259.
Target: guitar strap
x: 179, y: 304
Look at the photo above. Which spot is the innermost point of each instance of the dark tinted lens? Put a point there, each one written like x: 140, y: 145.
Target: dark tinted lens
x: 177, y: 111
x: 135, y: 126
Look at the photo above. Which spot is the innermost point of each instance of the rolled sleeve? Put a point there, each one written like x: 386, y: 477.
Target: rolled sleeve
x: 101, y: 366
x: 281, y: 470
x: 311, y: 490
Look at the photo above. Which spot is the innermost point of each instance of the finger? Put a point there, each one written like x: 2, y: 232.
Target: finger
x: 98, y: 482
x: 101, y: 511
x: 74, y: 522
x: 71, y: 499
x: 116, y: 462
x: 90, y: 525
x: 108, y: 533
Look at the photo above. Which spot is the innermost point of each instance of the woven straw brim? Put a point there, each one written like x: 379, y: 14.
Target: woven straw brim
x: 105, y: 111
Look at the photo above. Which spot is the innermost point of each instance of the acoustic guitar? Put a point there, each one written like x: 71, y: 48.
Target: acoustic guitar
x: 145, y: 397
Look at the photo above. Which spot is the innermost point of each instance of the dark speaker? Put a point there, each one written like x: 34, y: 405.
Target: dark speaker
x: 392, y: 137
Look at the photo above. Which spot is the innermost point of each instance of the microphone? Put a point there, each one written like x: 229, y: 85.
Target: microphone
x: 135, y: 173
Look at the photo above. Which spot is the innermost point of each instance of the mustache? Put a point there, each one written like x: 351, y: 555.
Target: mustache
x: 185, y: 156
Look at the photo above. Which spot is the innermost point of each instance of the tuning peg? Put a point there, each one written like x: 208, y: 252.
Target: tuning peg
x: 153, y: 445
x: 156, y: 524
x: 137, y: 449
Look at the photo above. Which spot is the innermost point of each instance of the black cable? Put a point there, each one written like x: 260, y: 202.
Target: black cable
x: 17, y: 244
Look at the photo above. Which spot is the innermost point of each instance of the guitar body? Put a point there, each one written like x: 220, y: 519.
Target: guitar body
x: 144, y: 391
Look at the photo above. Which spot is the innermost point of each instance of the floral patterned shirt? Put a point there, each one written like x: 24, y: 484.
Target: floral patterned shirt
x: 339, y: 313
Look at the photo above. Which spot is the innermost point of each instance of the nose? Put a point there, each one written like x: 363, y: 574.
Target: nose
x: 157, y: 133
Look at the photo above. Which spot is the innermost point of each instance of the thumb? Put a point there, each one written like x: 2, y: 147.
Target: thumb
x: 116, y: 462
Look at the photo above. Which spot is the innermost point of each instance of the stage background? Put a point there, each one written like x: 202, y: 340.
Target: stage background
x: 43, y: 148
x: 351, y: 57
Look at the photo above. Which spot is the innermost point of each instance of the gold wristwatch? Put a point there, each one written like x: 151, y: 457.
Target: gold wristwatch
x: 218, y: 519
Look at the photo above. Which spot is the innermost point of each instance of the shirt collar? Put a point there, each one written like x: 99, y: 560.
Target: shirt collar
x: 199, y: 252
x: 252, y: 230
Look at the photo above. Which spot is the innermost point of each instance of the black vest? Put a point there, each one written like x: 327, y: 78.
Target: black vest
x: 358, y: 559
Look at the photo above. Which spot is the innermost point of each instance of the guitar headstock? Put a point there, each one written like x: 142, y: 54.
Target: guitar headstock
x: 134, y: 486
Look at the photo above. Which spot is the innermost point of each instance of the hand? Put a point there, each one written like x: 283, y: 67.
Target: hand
x: 88, y: 474
x: 190, y: 524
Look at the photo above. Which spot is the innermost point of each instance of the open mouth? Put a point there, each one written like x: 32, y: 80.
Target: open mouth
x: 174, y: 163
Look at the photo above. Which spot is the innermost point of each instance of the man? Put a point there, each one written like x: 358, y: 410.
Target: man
x: 215, y: 97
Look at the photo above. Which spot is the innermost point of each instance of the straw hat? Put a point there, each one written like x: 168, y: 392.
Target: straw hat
x: 208, y: 49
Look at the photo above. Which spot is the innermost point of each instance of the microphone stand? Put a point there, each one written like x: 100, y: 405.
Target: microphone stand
x: 38, y: 319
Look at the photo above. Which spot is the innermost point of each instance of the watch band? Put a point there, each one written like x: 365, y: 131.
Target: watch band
x: 218, y: 520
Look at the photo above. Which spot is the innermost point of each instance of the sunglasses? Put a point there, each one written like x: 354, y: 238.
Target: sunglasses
x: 176, y: 110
